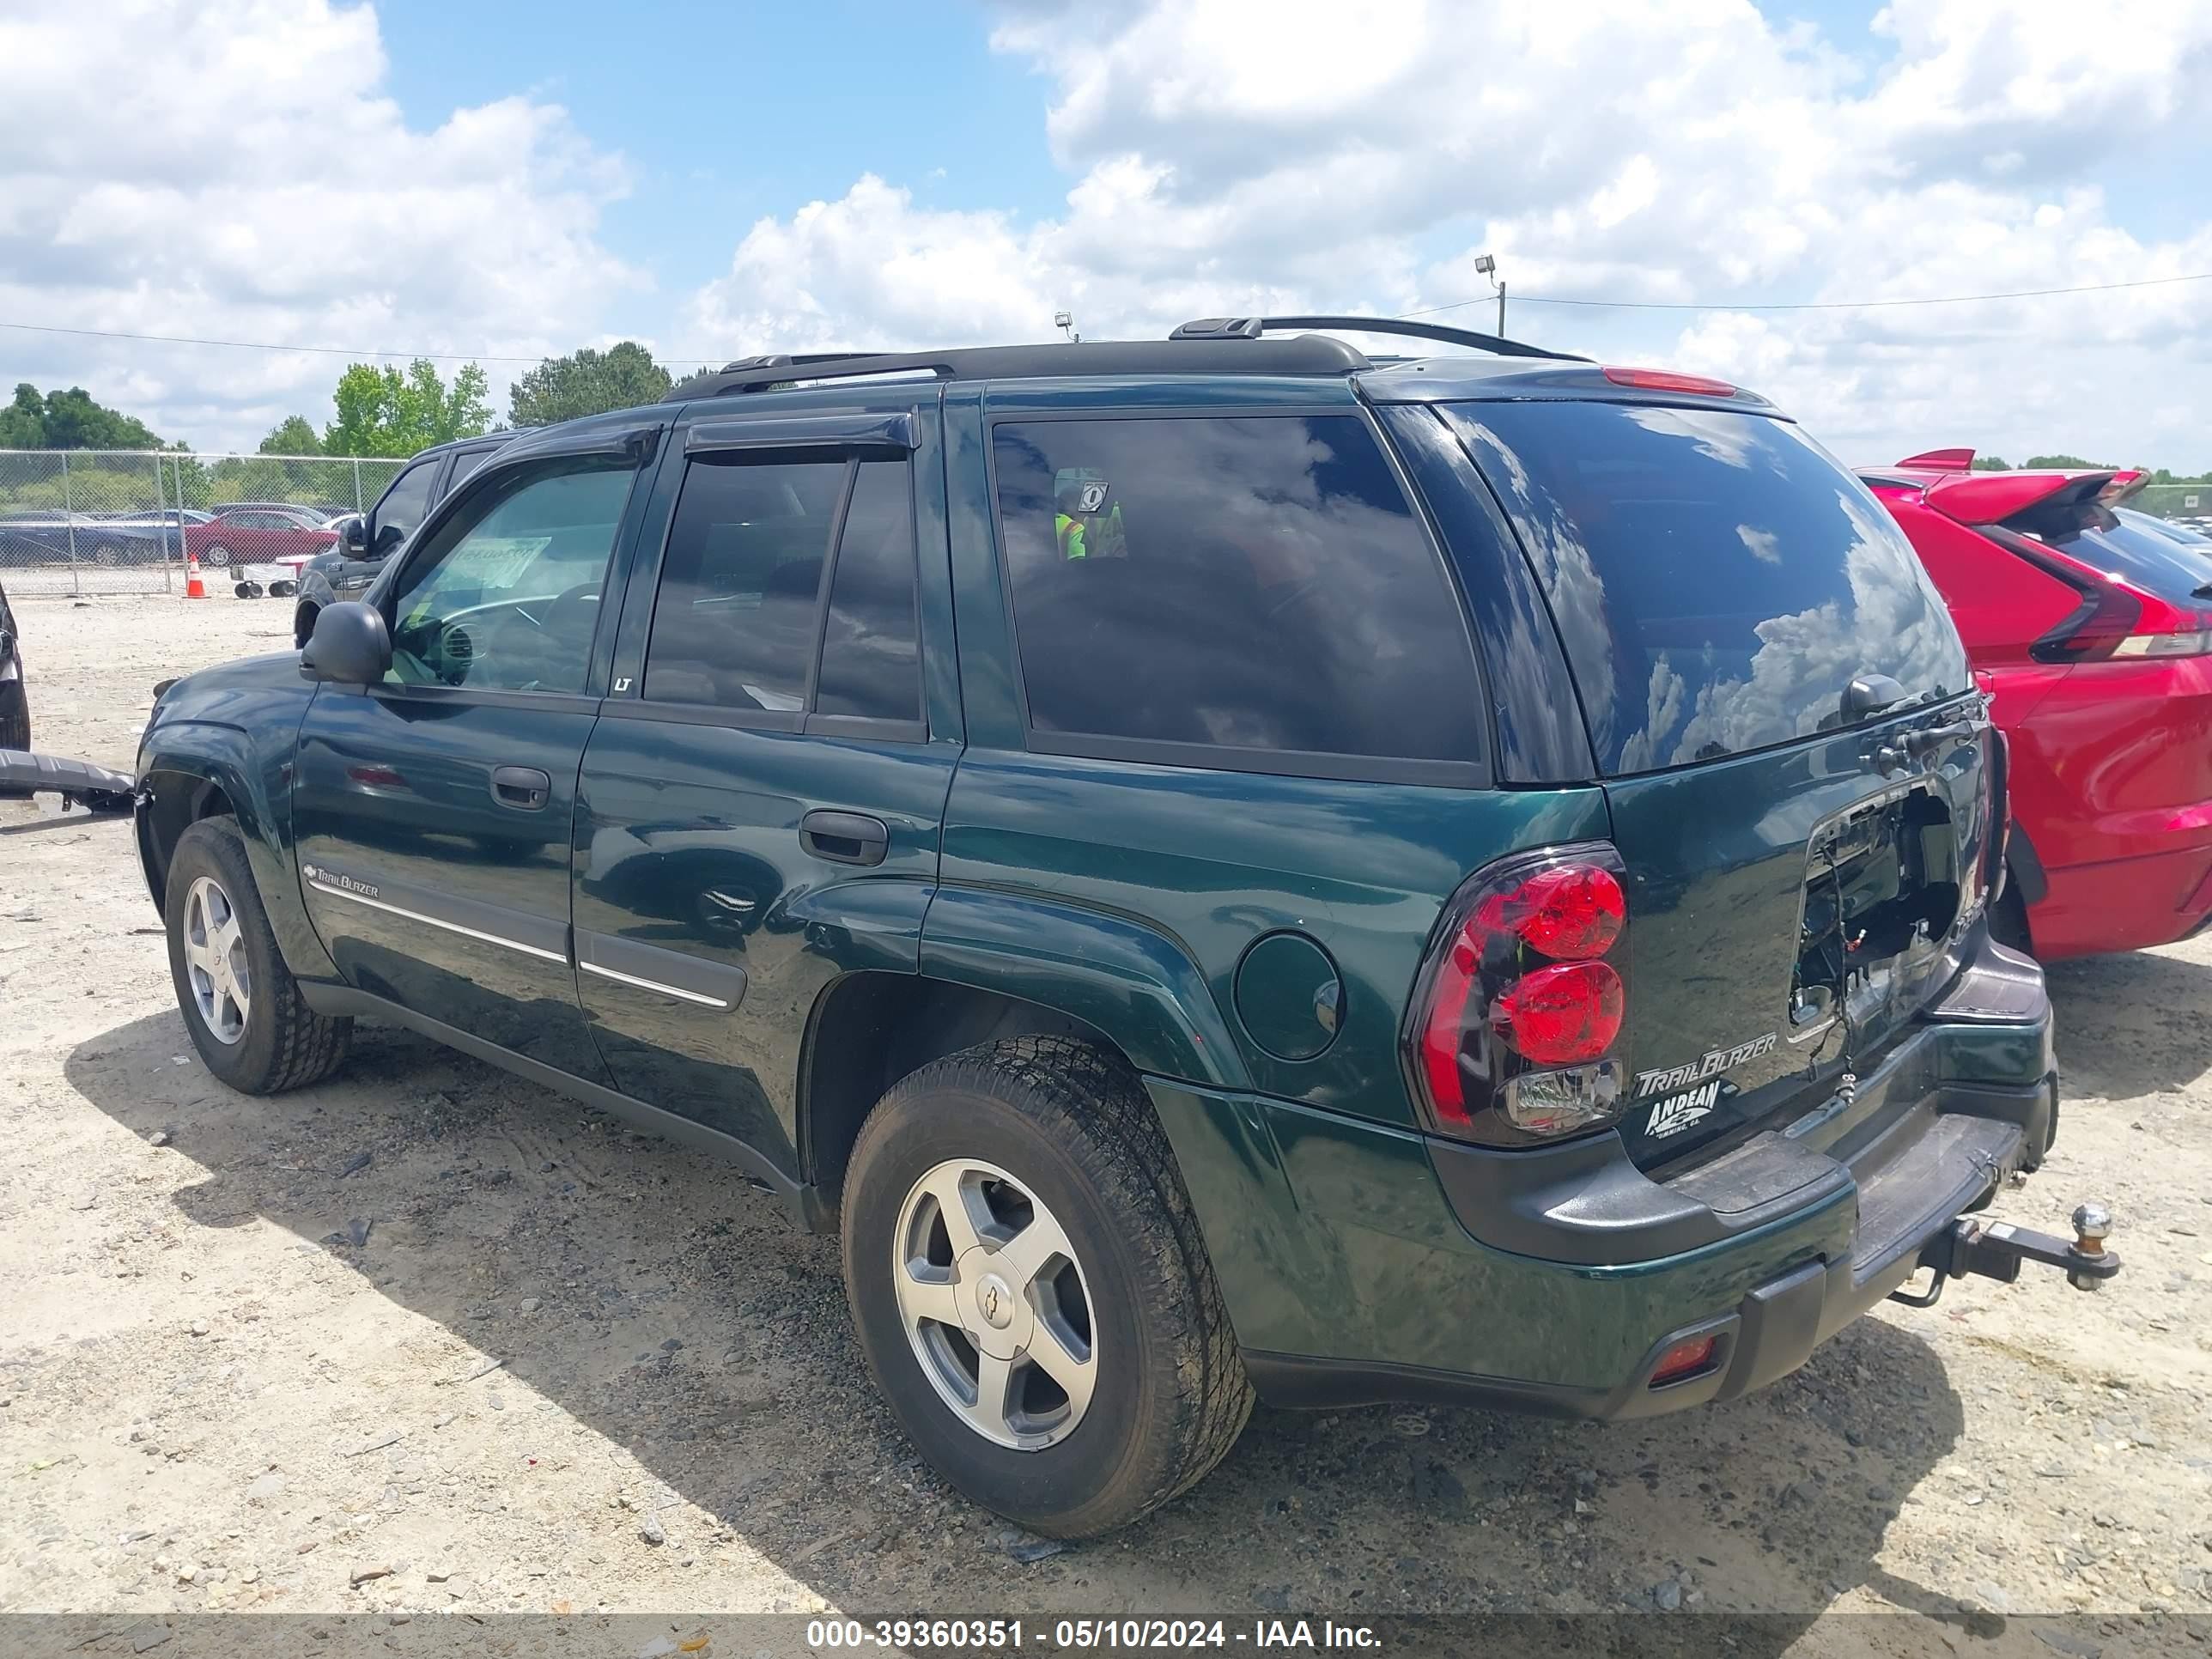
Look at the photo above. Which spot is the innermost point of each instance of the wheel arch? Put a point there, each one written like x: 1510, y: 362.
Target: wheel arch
x: 193, y: 770
x: 868, y: 1029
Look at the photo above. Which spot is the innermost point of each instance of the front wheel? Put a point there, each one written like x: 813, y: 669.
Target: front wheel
x: 216, y: 558
x: 241, y: 1005
x: 1030, y: 1289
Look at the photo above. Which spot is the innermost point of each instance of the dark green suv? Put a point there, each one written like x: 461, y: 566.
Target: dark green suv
x: 1221, y: 866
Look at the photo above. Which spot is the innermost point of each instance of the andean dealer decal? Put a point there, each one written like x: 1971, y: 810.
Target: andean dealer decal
x: 1718, y: 1060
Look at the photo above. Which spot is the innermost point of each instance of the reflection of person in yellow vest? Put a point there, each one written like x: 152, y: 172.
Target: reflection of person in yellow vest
x: 1087, y: 528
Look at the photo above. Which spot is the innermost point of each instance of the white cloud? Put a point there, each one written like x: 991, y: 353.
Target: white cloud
x: 1234, y: 157
x: 239, y: 171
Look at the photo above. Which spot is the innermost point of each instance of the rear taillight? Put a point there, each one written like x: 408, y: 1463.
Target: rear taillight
x: 1518, y: 1014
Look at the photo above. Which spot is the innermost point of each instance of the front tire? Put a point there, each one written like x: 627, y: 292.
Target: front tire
x: 216, y: 557
x: 242, y: 1008
x: 1031, y: 1289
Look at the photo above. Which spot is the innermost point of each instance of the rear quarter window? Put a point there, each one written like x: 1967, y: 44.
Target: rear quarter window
x: 1198, y: 589
x: 1717, y: 578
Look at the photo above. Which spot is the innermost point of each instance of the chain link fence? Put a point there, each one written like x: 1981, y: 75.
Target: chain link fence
x: 83, y: 521
x: 2186, y: 504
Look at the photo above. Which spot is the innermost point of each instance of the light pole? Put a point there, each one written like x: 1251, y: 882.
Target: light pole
x: 1484, y: 265
x: 1065, y: 322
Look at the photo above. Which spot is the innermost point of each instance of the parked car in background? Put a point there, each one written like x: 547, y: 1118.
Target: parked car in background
x: 1217, y: 866
x: 2174, y: 530
x: 253, y: 532
x: 2095, y: 627
x: 39, y: 535
x: 367, y: 540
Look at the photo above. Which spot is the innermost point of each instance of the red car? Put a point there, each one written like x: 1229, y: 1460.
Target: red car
x: 257, y: 533
x: 2095, y: 635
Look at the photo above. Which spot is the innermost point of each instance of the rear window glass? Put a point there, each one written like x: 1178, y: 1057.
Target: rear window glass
x: 1247, y: 583
x: 1717, y: 578
x: 2140, y: 555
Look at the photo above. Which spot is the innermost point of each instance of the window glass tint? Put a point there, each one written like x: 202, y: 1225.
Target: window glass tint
x: 1254, y: 583
x: 733, y: 625
x: 1717, y: 578
x: 869, y: 665
x: 465, y: 462
x: 407, y: 501
x: 2137, y: 551
x: 505, y: 597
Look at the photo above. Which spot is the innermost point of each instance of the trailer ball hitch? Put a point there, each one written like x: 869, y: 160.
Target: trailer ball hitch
x: 1995, y: 1250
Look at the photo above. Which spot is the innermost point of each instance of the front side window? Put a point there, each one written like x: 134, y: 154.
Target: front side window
x: 1251, y: 583
x: 753, y: 546
x: 505, y: 597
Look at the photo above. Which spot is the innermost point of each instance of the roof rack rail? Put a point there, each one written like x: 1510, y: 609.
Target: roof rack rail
x: 1314, y: 355
x: 1251, y: 328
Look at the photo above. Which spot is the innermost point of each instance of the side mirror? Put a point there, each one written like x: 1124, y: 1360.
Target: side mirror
x: 356, y: 536
x: 350, y: 646
x: 388, y: 537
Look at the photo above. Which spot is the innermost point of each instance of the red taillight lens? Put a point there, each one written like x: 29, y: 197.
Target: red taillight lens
x: 1685, y: 1359
x: 1569, y: 912
x: 1446, y: 1025
x: 1666, y: 379
x: 1516, y: 984
x: 1569, y: 1011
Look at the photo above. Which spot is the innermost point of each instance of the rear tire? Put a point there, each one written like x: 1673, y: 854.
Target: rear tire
x: 216, y: 557
x: 242, y: 1008
x: 2009, y: 919
x: 1057, y: 1135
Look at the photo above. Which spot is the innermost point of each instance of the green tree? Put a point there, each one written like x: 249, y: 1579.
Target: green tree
x: 586, y: 382
x: 69, y: 420
x: 1991, y: 463
x: 293, y: 435
x: 383, y: 411
x: 2060, y: 460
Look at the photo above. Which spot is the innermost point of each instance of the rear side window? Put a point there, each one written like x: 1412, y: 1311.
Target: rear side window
x: 1718, y: 579
x: 739, y: 614
x: 1254, y: 583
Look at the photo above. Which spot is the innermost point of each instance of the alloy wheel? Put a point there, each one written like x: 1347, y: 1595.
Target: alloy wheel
x: 216, y: 961
x: 995, y: 1304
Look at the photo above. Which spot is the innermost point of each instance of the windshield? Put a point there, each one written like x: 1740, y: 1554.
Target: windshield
x: 1717, y: 578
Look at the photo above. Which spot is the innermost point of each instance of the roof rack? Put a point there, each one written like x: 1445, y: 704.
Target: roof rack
x: 1251, y: 328
x: 1314, y: 354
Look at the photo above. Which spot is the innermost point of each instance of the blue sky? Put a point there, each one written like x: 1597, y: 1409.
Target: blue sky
x: 727, y: 114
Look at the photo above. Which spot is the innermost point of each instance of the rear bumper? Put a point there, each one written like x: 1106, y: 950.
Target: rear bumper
x: 1556, y: 1282
x: 2123, y: 904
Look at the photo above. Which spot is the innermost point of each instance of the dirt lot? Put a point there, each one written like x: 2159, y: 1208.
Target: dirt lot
x: 245, y: 1350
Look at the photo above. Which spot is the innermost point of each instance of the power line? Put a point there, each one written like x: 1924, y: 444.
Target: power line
x: 1814, y: 305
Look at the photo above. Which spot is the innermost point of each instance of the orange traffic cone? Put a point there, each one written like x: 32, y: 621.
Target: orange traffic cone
x: 194, y: 587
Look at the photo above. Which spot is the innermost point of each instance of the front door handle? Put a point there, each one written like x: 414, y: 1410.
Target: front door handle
x: 845, y: 837
x: 522, y: 787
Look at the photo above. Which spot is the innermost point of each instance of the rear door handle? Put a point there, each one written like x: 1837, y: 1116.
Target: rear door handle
x: 522, y: 787
x: 845, y: 837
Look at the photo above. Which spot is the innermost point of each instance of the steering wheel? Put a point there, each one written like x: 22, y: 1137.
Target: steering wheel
x: 567, y: 606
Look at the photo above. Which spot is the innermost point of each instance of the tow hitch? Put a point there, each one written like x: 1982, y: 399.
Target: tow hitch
x: 1995, y: 1250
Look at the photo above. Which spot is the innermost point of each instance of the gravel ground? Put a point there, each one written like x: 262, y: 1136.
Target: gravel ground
x: 424, y: 1340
